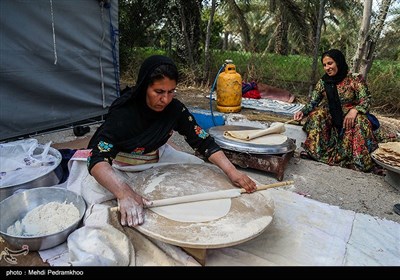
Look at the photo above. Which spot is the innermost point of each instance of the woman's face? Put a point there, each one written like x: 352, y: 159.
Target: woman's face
x: 160, y: 94
x: 330, y: 66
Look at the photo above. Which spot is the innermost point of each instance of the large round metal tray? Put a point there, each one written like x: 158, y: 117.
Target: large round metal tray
x: 248, y: 217
x: 385, y: 165
x: 218, y: 133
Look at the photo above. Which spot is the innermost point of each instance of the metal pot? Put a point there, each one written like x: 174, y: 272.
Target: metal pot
x: 51, y: 178
x: 16, y: 207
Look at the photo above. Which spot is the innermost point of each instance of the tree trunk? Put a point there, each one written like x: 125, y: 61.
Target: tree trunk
x: 281, y: 41
x: 225, y: 42
x: 368, y: 55
x: 316, y: 44
x: 271, y: 42
x: 184, y: 29
x: 362, y: 36
x: 245, y: 30
x: 207, y: 43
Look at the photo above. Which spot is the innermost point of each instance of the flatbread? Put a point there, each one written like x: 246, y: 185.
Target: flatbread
x: 275, y: 128
x: 391, y: 147
x: 388, y: 153
x: 202, y: 207
x: 270, y: 140
x: 200, y: 211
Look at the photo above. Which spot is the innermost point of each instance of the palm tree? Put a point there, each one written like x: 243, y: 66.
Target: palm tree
x: 288, y: 17
x: 236, y: 13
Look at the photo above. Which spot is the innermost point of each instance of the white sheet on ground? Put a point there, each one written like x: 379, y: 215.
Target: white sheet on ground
x: 304, y: 232
x: 102, y: 241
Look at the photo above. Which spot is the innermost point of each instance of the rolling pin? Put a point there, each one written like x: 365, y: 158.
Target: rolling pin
x: 208, y: 196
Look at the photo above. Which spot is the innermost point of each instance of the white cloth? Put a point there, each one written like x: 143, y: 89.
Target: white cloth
x: 98, y: 243
x: 304, y: 232
x: 102, y: 241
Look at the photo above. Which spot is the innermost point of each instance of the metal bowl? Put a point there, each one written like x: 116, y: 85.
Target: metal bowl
x: 15, y: 208
x: 51, y: 178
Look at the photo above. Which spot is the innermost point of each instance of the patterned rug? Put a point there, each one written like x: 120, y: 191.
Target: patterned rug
x: 273, y: 106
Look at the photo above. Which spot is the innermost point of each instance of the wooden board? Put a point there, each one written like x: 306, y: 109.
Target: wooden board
x: 249, y: 216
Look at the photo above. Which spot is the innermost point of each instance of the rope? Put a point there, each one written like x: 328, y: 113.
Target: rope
x: 114, y: 36
x: 100, y: 60
x: 54, y: 33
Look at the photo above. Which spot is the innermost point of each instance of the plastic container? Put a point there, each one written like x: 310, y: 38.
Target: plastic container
x: 229, y: 90
x: 204, y: 118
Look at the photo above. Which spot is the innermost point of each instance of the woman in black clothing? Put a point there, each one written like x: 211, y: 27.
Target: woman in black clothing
x: 138, y: 124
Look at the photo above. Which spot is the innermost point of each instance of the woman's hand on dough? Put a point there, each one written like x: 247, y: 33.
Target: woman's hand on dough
x: 131, y: 209
x: 241, y: 180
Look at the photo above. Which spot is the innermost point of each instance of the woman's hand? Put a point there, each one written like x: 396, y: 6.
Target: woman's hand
x: 298, y: 116
x: 130, y: 203
x: 241, y: 180
x: 131, y: 209
x: 348, y: 121
x: 238, y: 178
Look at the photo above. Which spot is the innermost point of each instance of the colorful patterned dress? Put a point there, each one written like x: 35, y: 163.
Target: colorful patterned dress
x: 347, y: 148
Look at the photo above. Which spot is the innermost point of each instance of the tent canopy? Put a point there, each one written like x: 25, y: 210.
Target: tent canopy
x: 58, y: 63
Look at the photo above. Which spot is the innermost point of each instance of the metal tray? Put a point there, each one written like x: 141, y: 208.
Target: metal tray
x: 387, y: 166
x: 218, y: 133
x: 51, y: 178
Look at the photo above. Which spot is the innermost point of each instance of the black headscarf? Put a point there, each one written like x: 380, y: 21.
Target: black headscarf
x: 150, y: 128
x: 335, y: 107
x: 143, y: 79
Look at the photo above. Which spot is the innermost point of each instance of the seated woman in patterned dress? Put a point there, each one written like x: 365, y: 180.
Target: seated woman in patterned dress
x: 338, y: 129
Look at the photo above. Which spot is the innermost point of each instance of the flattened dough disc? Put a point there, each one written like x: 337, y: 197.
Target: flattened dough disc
x: 270, y: 139
x: 248, y: 217
x: 200, y: 211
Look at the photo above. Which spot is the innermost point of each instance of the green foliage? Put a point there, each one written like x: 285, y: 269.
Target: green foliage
x: 216, y: 29
x: 384, y: 84
x: 292, y: 72
x: 134, y: 58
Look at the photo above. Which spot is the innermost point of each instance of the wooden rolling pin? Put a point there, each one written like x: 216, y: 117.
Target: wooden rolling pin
x: 208, y: 196
x: 290, y: 121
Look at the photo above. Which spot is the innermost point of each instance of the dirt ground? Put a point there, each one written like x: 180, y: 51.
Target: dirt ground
x: 350, y: 190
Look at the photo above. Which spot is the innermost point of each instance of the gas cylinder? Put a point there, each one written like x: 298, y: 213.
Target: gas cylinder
x: 229, y: 90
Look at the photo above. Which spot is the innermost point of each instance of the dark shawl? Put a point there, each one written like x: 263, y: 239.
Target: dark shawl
x: 154, y: 127
x: 335, y: 107
x: 139, y: 90
x: 132, y: 127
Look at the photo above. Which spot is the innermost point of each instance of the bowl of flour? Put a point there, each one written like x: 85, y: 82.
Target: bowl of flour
x: 40, y: 218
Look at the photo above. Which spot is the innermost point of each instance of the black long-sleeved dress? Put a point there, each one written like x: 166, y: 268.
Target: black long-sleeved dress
x: 135, y: 129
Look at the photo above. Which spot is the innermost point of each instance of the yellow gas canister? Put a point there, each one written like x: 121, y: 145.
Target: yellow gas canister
x: 229, y: 90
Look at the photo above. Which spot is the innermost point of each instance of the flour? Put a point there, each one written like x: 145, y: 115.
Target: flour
x: 45, y: 219
x: 245, y: 217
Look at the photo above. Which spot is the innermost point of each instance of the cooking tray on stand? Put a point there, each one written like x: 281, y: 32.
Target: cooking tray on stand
x: 269, y: 158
